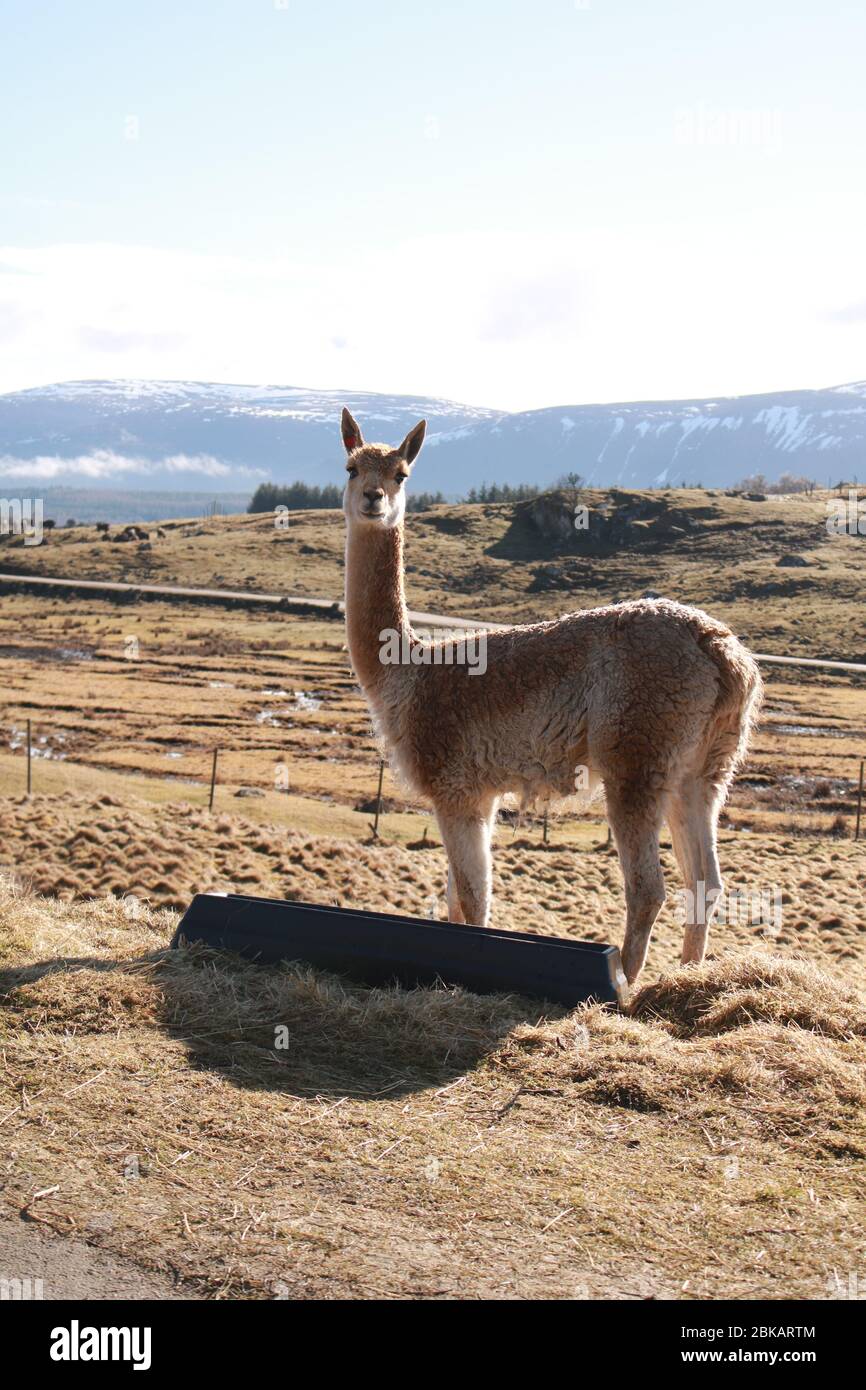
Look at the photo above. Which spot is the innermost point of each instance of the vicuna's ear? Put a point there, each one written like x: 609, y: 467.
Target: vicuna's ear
x: 350, y: 430
x: 411, y: 446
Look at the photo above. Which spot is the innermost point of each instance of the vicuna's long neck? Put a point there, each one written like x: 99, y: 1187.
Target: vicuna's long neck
x: 375, y: 601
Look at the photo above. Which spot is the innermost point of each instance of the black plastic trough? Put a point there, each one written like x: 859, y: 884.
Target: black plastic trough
x: 380, y: 948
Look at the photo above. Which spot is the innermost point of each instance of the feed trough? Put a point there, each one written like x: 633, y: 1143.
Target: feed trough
x: 380, y: 948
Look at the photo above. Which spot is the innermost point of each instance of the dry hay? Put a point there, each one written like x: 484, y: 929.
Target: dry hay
x: 427, y: 1143
x: 736, y: 992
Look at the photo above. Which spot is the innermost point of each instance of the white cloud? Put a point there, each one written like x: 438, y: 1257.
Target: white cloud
x: 551, y: 307
x: 849, y: 313
x: 120, y: 340
x: 510, y: 321
x: 105, y: 463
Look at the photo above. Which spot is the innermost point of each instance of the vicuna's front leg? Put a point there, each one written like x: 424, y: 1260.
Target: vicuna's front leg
x: 466, y: 836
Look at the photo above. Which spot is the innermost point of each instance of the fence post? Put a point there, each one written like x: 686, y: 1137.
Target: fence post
x: 379, y: 798
x: 859, y: 799
x: 213, y: 779
x: 544, y: 832
x: 29, y: 757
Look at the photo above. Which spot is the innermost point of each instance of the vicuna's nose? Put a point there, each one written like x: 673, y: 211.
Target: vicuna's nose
x: 374, y: 494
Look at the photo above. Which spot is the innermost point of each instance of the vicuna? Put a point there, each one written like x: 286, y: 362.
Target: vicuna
x: 652, y: 699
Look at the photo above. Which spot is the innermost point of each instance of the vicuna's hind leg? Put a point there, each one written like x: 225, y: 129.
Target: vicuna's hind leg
x: 693, y: 817
x: 635, y: 819
x: 466, y: 835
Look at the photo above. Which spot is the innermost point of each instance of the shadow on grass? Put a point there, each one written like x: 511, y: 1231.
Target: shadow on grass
x: 282, y: 1028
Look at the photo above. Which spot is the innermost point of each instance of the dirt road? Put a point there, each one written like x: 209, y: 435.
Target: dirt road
x: 36, y: 583
x: 70, y: 1268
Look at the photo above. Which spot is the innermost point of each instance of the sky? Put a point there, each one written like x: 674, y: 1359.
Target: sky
x: 508, y: 204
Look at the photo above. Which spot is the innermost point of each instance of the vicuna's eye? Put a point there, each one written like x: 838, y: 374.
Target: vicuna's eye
x: 352, y: 472
x: 400, y: 478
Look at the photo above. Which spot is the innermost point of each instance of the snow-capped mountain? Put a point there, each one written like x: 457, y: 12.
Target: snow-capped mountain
x: 199, y: 435
x: 661, y: 443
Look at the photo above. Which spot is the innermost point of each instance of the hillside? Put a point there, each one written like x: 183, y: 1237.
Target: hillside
x: 194, y: 435
x: 769, y: 568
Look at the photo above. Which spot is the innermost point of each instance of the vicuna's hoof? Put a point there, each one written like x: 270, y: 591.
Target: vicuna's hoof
x: 694, y: 945
x: 631, y: 966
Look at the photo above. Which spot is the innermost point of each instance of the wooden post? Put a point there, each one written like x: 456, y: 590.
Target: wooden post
x: 859, y: 799
x: 29, y: 757
x: 544, y: 832
x: 379, y: 798
x: 213, y: 780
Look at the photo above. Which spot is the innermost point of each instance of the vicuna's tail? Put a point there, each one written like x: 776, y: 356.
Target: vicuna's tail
x: 741, y: 691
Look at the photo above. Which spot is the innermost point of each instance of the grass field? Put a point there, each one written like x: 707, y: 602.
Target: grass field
x: 513, y: 563
x: 149, y: 690
x: 708, y: 1144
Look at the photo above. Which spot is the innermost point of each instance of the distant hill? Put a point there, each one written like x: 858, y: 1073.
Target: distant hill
x: 176, y: 436
x: 770, y: 568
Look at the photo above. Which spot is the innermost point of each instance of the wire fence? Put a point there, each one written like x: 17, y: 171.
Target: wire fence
x: 538, y: 824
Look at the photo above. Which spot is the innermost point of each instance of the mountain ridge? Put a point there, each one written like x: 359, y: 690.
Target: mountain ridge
x: 231, y: 436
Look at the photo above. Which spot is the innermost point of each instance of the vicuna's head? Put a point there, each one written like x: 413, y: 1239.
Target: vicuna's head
x: 376, y: 473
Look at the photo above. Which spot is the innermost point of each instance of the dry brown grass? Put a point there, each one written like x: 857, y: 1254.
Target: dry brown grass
x: 428, y: 1143
x: 483, y: 561
x: 85, y: 847
x: 244, y: 682
x: 752, y: 989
